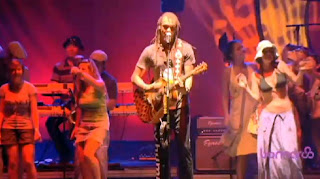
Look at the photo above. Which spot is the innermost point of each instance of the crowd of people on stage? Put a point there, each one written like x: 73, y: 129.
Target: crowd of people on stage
x: 95, y: 94
x: 271, y: 106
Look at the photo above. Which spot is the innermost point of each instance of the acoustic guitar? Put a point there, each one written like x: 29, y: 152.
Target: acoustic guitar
x: 151, y: 105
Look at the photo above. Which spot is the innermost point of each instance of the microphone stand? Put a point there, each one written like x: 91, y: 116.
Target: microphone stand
x: 297, y: 29
x: 167, y: 101
x: 64, y: 106
x: 64, y: 171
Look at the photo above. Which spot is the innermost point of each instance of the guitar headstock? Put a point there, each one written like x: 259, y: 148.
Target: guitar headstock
x: 202, y: 67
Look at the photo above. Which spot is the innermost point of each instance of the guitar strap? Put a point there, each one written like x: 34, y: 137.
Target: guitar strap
x: 178, y: 59
x: 177, y: 64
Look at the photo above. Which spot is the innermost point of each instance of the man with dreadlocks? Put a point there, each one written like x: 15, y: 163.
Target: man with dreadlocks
x: 166, y: 44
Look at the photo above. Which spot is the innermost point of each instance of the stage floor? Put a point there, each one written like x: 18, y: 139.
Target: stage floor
x: 128, y: 160
x: 142, y: 173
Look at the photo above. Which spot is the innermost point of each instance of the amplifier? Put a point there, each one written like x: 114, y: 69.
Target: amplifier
x: 211, y: 132
x: 210, y: 126
x: 210, y: 155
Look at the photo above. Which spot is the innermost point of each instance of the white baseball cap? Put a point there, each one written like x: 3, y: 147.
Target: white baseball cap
x: 99, y: 55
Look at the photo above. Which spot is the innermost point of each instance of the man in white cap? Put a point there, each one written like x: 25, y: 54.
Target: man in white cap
x: 100, y: 58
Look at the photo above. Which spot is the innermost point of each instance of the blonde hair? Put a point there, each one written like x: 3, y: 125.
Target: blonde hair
x: 93, y: 69
x: 81, y: 86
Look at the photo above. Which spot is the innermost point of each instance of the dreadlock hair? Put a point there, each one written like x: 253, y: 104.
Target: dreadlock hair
x: 156, y: 39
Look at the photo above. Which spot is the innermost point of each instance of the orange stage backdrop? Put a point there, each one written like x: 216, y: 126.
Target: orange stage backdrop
x: 234, y: 17
x: 276, y: 14
x: 123, y: 28
x: 239, y: 18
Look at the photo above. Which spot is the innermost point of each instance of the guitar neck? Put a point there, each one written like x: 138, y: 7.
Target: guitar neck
x: 191, y: 73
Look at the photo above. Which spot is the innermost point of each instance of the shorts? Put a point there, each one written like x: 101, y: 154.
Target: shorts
x: 84, y: 133
x: 17, y: 136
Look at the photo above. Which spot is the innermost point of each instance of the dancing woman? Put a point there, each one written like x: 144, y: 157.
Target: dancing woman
x: 238, y: 141
x: 92, y: 117
x: 277, y: 133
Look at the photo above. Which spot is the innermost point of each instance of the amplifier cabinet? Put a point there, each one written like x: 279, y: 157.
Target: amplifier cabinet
x: 210, y: 154
x: 210, y: 125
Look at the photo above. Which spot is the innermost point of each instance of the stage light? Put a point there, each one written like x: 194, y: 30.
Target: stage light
x: 172, y: 5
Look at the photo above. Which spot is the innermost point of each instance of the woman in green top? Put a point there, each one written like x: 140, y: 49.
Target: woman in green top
x: 92, y: 121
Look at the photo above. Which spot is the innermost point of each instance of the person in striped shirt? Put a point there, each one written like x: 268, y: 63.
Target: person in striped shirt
x: 61, y: 74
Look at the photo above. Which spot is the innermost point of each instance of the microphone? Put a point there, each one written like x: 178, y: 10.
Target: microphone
x: 168, y: 37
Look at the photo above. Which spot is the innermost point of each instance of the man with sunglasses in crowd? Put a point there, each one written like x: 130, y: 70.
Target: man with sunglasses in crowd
x: 100, y: 58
